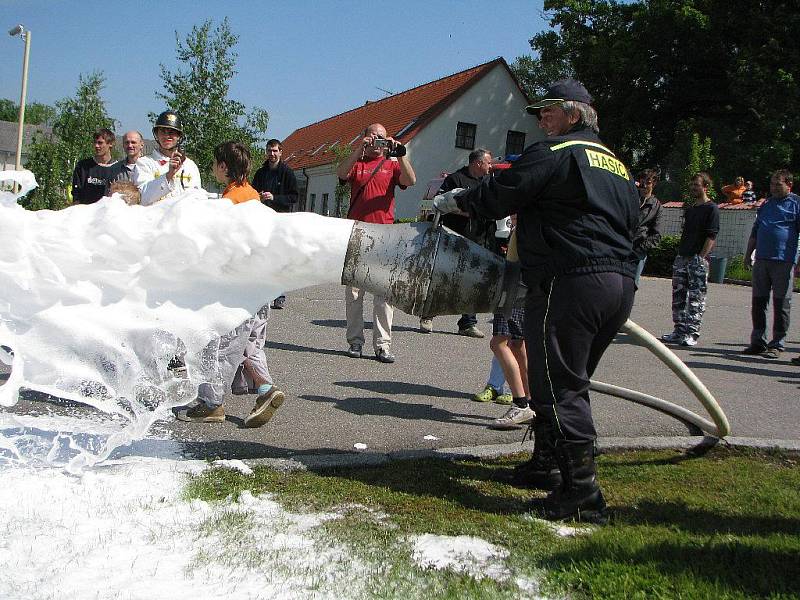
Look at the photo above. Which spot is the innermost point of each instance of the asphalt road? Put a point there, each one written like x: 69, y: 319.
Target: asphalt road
x: 334, y: 402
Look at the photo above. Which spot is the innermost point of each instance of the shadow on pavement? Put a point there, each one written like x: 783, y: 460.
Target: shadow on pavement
x: 297, y: 348
x: 383, y: 407
x: 342, y: 324
x: 402, y: 387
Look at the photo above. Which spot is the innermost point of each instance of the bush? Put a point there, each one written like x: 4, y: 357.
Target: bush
x: 736, y: 269
x: 660, y: 259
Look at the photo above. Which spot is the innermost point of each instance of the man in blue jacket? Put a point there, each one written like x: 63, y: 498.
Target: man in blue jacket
x: 774, y: 238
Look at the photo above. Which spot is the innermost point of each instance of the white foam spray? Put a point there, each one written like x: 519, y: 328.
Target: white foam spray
x: 96, y: 299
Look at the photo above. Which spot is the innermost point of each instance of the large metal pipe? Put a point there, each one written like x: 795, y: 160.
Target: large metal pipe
x: 428, y: 271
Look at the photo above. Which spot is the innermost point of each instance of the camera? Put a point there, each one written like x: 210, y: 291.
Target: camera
x: 380, y: 142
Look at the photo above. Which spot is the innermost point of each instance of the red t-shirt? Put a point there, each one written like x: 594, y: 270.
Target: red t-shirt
x: 375, y: 204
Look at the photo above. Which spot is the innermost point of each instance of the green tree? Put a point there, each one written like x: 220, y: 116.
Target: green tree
x: 730, y: 68
x: 341, y: 194
x: 52, y: 158
x: 35, y: 112
x: 198, y: 91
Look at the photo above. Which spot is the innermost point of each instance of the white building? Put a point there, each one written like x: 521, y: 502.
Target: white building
x: 440, y: 123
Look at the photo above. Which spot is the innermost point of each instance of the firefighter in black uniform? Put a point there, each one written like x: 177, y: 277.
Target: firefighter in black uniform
x: 577, y: 208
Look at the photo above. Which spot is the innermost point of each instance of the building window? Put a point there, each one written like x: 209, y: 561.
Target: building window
x: 325, y: 205
x: 313, y: 202
x: 465, y: 135
x: 515, y: 142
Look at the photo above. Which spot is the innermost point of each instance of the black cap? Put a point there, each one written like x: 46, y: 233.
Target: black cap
x: 561, y: 91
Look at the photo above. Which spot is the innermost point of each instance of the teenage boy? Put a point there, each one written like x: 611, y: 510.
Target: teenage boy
x: 92, y: 176
x: 230, y: 168
x: 690, y: 268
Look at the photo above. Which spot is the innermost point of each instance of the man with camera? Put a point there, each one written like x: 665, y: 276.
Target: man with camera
x: 167, y: 170
x: 377, y: 164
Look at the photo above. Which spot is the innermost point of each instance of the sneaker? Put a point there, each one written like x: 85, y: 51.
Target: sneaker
x: 504, y: 399
x: 672, y: 338
x: 514, y: 418
x: 278, y: 303
x: 753, y: 350
x: 472, y: 332
x: 426, y: 325
x: 201, y: 413
x: 487, y: 395
x: 383, y: 355
x: 689, y: 340
x: 772, y: 353
x: 795, y: 360
x: 265, y: 407
x: 354, y: 351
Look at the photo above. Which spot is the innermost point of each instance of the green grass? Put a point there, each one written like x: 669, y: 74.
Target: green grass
x: 723, y: 525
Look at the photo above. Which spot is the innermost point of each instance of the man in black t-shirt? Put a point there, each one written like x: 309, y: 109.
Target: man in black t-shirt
x: 690, y: 269
x: 92, y: 176
x: 480, y: 164
x: 276, y: 184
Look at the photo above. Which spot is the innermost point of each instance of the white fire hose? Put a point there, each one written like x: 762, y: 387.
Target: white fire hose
x: 720, y: 426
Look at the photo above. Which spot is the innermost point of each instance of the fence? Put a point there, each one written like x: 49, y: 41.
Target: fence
x: 735, y: 223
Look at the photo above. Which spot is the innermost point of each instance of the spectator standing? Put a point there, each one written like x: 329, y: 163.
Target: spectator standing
x: 690, y: 268
x: 133, y: 146
x: 749, y: 194
x: 167, y: 171
x: 277, y: 186
x: 735, y: 191
x: 377, y: 165
x: 92, y: 176
x: 231, y: 166
x: 774, y: 239
x: 647, y: 234
x: 479, y: 163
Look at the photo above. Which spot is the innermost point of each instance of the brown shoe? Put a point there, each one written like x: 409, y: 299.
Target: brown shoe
x: 203, y: 414
x: 266, y: 405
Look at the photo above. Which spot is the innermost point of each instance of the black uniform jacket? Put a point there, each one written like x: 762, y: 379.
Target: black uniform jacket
x: 576, y: 204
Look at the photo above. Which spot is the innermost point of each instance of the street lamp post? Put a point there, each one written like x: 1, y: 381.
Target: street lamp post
x: 26, y: 36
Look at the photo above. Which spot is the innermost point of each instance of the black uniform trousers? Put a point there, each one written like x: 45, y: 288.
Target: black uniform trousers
x: 570, y: 320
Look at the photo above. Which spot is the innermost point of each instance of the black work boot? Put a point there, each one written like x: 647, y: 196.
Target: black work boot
x: 579, y: 496
x: 541, y: 471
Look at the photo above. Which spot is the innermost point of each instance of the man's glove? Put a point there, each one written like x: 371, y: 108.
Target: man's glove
x: 446, y: 203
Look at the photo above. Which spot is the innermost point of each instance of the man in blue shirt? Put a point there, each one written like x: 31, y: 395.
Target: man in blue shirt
x: 774, y: 238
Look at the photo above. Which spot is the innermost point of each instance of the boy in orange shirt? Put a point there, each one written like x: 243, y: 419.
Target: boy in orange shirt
x: 231, y: 165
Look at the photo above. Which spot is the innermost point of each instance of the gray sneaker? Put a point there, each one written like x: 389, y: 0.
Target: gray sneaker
x: 514, y: 418
x: 673, y: 338
x: 383, y: 355
x: 426, y: 325
x: 354, y: 351
x: 472, y: 332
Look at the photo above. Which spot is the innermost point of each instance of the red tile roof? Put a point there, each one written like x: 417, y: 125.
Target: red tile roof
x: 403, y: 115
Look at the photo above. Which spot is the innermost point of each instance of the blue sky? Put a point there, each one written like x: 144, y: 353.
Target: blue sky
x: 302, y: 61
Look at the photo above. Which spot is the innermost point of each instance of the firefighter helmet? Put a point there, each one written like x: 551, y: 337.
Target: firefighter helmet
x: 168, y: 119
